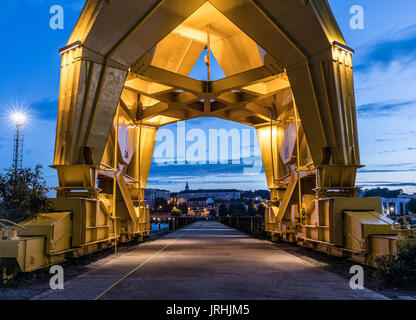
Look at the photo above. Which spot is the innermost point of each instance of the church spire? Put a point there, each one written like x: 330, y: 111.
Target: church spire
x: 187, y: 186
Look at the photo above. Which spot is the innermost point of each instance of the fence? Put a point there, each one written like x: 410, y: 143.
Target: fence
x: 253, y: 226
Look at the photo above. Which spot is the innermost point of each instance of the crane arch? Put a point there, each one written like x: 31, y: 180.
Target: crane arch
x: 125, y: 73
x: 122, y: 49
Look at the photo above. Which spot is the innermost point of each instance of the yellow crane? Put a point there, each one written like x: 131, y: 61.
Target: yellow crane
x: 125, y: 73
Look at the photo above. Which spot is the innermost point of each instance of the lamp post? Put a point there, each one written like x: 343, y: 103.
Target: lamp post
x: 18, y: 119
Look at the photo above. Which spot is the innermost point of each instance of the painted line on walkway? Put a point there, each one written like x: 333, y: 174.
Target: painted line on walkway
x: 139, y: 266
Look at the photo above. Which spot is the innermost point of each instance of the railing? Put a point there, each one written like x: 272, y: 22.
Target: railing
x: 180, y: 222
x: 253, y: 226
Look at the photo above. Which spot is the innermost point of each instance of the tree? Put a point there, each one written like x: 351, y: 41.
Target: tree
x: 222, y: 210
x: 212, y: 212
x: 252, y: 210
x: 23, y: 194
x: 382, y: 192
x: 162, y: 205
x: 237, y: 210
x: 262, y: 209
x: 183, y: 207
x: 411, y: 206
x: 242, y: 209
x: 175, y: 212
x: 398, y: 269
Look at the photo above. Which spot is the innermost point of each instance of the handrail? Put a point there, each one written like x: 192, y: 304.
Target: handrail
x: 10, y: 222
x: 406, y: 225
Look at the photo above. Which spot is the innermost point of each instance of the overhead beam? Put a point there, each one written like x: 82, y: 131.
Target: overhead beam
x: 153, y: 111
x: 180, y: 113
x: 244, y: 79
x: 142, y: 69
x: 259, y: 111
x: 181, y: 98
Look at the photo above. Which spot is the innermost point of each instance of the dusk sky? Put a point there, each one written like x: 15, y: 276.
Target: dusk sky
x: 385, y: 69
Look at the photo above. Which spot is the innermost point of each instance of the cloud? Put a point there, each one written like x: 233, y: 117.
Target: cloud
x: 198, y: 170
x: 386, y: 140
x: 383, y: 109
x: 385, y: 170
x: 387, y: 151
x: 399, y: 46
x: 396, y: 150
x: 242, y: 184
x: 390, y: 168
x: 400, y: 164
x: 399, y: 132
x: 46, y: 109
x: 402, y: 184
x: 174, y: 177
x: 387, y: 184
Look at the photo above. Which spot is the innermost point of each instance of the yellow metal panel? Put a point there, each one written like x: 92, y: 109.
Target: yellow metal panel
x: 269, y: 154
x: 383, y: 245
x: 177, y: 53
x: 369, y: 217
x: 55, y: 226
x: 165, y: 16
x: 359, y: 225
x: 76, y: 175
x: 84, y: 218
x: 35, y: 257
x: 9, y: 248
x: 340, y: 204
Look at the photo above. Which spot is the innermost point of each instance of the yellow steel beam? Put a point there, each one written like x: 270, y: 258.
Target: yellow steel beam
x: 261, y: 74
x: 115, y: 167
x: 142, y: 69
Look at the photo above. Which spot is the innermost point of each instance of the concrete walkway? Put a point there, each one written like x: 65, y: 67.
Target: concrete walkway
x: 208, y: 260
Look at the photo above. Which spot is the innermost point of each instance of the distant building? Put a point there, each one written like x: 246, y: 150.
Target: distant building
x: 150, y: 196
x: 201, y: 206
x: 174, y: 196
x: 394, y: 207
x: 215, y: 194
x: 256, y: 196
x: 196, y: 206
x: 210, y: 204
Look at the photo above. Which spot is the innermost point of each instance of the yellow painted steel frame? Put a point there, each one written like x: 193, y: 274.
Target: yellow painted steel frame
x: 125, y: 73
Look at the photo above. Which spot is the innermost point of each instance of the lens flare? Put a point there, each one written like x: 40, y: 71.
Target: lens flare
x: 18, y: 118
